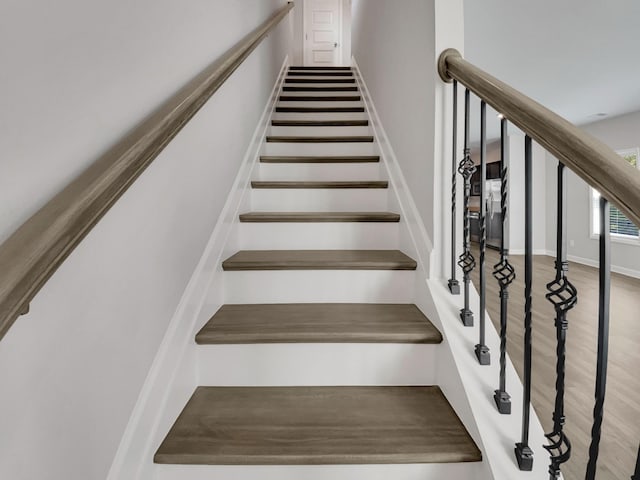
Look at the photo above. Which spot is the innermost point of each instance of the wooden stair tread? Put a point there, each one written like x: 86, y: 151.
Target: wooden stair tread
x: 327, y: 139
x: 316, y: 217
x: 317, y: 425
x: 319, y: 89
x: 320, y: 123
x: 320, y: 98
x: 288, y: 184
x: 320, y: 109
x: 320, y: 80
x: 319, y: 260
x: 320, y: 159
x: 318, y: 323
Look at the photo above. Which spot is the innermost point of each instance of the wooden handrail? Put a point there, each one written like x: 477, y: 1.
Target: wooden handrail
x: 34, y: 252
x: 594, y: 162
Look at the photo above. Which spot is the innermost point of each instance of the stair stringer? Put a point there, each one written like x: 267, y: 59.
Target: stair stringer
x: 173, y: 375
x: 415, y: 242
x: 467, y: 385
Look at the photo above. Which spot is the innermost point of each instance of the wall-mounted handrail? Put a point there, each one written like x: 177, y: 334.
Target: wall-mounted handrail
x: 34, y: 252
x: 590, y: 159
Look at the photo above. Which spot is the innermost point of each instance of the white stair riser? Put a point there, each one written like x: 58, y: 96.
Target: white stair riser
x: 320, y: 104
x: 319, y: 236
x: 322, y: 85
x: 320, y: 94
x: 312, y: 76
x: 319, y: 200
x: 320, y: 131
x: 320, y: 116
x: 319, y: 286
x: 319, y: 70
x: 459, y: 471
x: 320, y: 171
x: 322, y: 149
x: 316, y: 364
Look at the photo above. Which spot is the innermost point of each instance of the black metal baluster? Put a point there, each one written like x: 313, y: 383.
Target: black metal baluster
x: 454, y: 285
x: 466, y: 260
x: 482, y: 351
x: 504, y: 273
x: 563, y: 295
x: 603, y: 337
x: 523, y: 452
x: 636, y: 475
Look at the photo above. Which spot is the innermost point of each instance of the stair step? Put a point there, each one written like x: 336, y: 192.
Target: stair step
x: 318, y: 323
x: 320, y: 80
x: 317, y: 426
x: 337, y: 139
x: 320, y: 73
x: 319, y: 260
x: 318, y: 217
x: 320, y: 123
x: 318, y: 68
x: 320, y: 109
x: 320, y: 98
x: 324, y: 159
x: 315, y: 185
x: 319, y: 89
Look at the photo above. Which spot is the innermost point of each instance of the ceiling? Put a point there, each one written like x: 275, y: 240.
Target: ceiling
x: 580, y: 58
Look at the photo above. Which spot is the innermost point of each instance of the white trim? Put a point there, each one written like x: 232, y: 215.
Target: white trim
x: 593, y: 226
x: 616, y: 238
x: 471, y: 393
x: 537, y: 251
x: 419, y: 241
x: 173, y: 375
x: 594, y: 263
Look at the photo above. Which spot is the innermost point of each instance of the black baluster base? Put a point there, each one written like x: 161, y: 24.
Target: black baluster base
x: 467, y: 317
x: 524, y: 456
x: 454, y: 287
x: 483, y: 355
x: 503, y: 402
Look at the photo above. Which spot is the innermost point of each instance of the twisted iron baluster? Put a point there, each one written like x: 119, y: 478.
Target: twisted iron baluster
x: 466, y: 260
x: 604, y: 291
x: 564, y: 296
x: 524, y: 454
x: 454, y: 285
x: 482, y: 351
x: 504, y: 273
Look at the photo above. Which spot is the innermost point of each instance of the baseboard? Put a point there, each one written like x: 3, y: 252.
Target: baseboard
x: 173, y: 373
x: 589, y: 262
x: 540, y: 251
x: 414, y: 239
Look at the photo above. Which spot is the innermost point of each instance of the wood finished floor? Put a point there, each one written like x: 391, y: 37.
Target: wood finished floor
x: 621, y: 427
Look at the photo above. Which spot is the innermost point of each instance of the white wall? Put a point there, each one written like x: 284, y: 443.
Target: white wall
x: 80, y: 74
x: 515, y: 236
x: 395, y: 50
x: 619, y: 133
x: 396, y: 47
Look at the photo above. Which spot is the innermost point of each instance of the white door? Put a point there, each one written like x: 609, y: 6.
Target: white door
x: 322, y: 32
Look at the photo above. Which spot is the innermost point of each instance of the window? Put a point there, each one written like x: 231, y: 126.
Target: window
x: 621, y: 228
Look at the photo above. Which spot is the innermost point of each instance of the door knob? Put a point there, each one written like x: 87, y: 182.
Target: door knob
x: 335, y: 45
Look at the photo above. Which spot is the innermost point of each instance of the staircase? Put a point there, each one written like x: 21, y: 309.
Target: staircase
x: 319, y: 356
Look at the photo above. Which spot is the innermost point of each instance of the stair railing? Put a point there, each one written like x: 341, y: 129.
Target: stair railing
x: 604, y: 170
x: 35, y: 251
